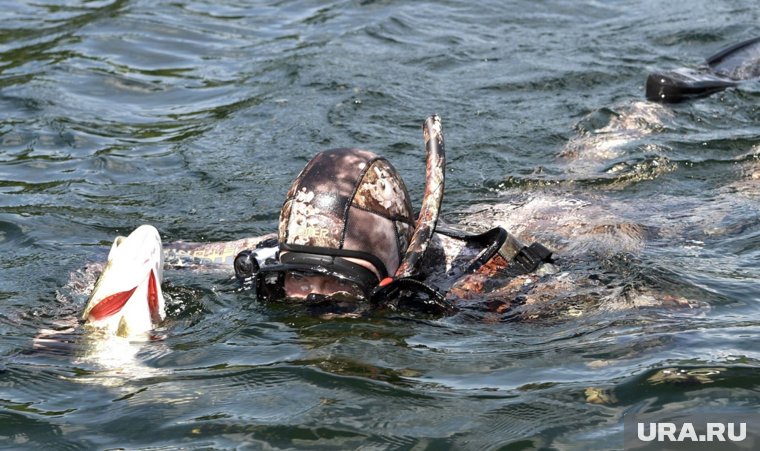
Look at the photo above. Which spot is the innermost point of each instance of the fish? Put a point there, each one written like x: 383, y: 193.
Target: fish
x: 127, y: 300
x: 126, y: 305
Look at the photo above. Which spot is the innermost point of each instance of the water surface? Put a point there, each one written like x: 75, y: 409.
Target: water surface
x: 195, y: 116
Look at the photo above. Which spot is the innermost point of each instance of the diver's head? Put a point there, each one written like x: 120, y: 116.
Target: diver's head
x: 344, y: 227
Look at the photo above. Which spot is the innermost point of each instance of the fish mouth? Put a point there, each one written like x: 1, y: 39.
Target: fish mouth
x: 114, y: 303
x: 127, y: 298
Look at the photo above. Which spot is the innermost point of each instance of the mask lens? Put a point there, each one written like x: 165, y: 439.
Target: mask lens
x: 299, y: 275
x: 301, y: 284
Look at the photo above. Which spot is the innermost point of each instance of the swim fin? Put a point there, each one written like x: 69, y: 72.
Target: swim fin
x: 727, y: 68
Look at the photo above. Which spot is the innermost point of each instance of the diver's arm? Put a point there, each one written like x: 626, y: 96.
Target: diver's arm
x: 220, y: 255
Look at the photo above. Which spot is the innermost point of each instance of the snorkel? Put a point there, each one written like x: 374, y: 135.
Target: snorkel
x: 127, y: 300
x: 431, y: 201
x: 408, y: 273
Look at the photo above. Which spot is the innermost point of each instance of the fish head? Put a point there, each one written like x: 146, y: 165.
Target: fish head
x: 127, y: 299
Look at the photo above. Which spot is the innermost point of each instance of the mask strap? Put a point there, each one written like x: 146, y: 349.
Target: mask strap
x: 373, y: 259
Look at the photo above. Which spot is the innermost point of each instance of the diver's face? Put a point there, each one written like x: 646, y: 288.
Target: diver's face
x: 300, y: 286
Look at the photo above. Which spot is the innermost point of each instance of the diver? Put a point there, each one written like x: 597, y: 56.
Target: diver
x: 346, y: 239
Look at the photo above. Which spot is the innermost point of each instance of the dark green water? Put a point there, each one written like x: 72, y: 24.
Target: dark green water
x: 195, y: 116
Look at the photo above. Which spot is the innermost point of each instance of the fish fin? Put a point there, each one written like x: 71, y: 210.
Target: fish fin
x: 123, y: 329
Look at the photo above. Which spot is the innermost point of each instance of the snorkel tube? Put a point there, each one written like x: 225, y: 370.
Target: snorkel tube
x: 725, y: 69
x: 431, y: 200
x: 407, y: 274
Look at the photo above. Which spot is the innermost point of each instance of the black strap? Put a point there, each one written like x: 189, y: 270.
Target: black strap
x: 529, y: 258
x: 526, y: 260
x: 376, y: 262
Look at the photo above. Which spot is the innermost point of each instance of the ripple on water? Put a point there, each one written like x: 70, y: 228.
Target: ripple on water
x: 12, y: 236
x: 195, y: 116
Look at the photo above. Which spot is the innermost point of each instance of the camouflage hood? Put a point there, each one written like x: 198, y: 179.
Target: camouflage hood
x: 352, y: 200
